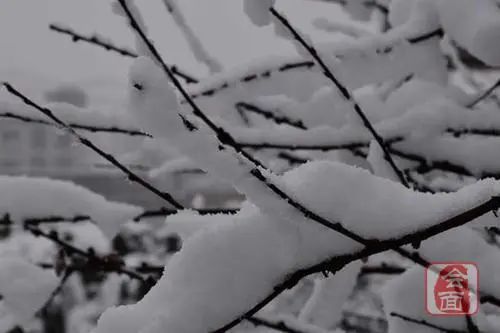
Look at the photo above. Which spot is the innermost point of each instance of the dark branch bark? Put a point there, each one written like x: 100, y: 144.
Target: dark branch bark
x: 334, y: 264
x: 89, y: 144
x: 345, y: 92
x: 97, y: 41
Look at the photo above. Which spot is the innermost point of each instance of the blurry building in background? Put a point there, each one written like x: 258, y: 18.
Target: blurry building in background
x: 45, y: 151
x: 39, y: 150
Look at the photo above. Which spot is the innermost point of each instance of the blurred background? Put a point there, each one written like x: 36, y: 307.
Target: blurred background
x: 50, y: 68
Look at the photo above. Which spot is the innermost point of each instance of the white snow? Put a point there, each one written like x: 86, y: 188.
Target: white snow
x: 460, y: 244
x: 258, y: 11
x: 324, y: 306
x: 474, y: 25
x: 33, y: 197
x: 24, y: 287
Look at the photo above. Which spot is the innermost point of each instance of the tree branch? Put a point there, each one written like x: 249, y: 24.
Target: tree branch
x: 345, y: 92
x: 336, y: 263
x: 107, y: 45
x: 87, y: 143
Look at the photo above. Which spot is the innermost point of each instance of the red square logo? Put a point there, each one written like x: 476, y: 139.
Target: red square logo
x: 451, y: 288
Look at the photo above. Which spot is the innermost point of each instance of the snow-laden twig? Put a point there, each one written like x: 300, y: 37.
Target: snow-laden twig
x: 255, y: 172
x: 89, y: 128
x: 6, y: 219
x: 224, y: 137
x: 87, y: 143
x: 164, y: 211
x: 267, y: 72
x: 199, y: 51
x: 426, y: 165
x: 106, y: 44
x: 344, y: 91
x: 278, y: 119
x: 334, y: 264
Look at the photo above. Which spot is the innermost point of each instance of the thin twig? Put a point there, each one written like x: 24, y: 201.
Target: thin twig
x: 89, y: 255
x: 296, y: 65
x: 336, y: 263
x: 89, y: 144
x: 271, y: 115
x: 105, y: 44
x: 89, y: 128
x: 345, y: 92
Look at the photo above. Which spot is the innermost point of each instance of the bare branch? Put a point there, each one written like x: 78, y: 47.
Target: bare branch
x: 93, y: 129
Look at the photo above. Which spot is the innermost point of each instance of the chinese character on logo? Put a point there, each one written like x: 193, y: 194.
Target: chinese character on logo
x: 451, y: 289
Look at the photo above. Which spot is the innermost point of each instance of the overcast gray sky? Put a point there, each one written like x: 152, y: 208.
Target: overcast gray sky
x: 31, y: 54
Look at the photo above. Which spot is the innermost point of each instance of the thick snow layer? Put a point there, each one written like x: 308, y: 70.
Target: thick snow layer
x: 224, y: 261
x: 29, y: 197
x: 25, y: 287
x: 187, y: 223
x: 474, y: 25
